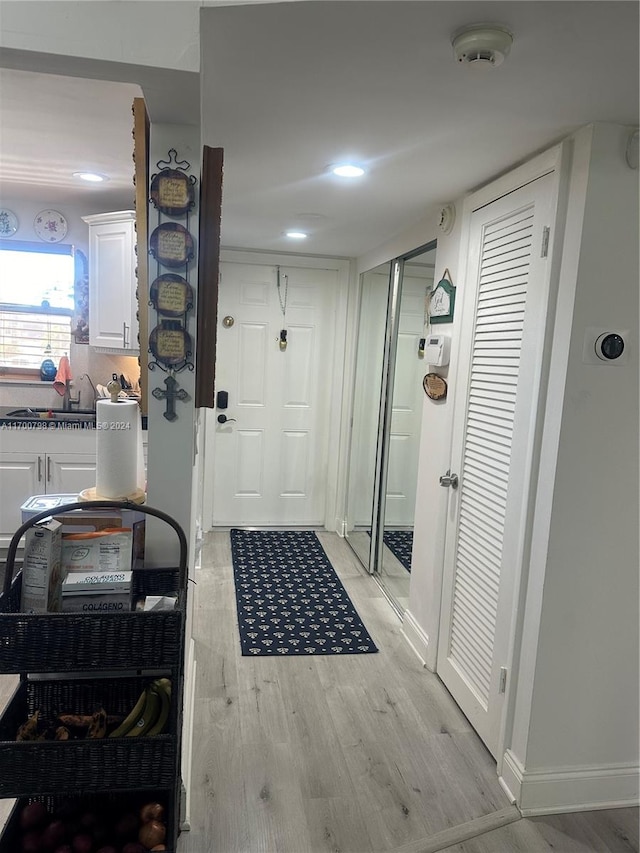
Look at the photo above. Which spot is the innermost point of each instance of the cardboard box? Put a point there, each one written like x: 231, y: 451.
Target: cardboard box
x: 114, y: 603
x: 42, y: 573
x: 96, y: 519
x: 100, y: 551
x: 96, y: 583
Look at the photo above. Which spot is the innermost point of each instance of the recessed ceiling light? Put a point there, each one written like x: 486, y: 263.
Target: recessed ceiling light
x: 296, y: 235
x: 91, y: 177
x: 348, y: 170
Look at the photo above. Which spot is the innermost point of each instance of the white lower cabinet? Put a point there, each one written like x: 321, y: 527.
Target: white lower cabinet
x: 40, y: 463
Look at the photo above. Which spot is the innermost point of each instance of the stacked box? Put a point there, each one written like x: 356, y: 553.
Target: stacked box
x: 107, y: 550
x: 96, y: 592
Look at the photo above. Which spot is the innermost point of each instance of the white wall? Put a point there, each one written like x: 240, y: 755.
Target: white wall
x: 577, y: 741
x: 118, y: 32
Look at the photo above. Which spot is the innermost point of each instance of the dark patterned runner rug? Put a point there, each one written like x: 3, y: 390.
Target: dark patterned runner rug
x: 290, y: 600
x: 400, y: 543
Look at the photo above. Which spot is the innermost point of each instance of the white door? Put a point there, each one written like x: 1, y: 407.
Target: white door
x: 270, y: 462
x: 505, y: 309
x: 406, y: 415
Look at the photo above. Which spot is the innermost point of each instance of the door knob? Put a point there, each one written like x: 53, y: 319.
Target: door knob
x: 449, y: 480
x: 223, y: 419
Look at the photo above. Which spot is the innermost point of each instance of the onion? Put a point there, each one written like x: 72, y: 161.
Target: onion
x: 31, y: 842
x: 33, y: 815
x: 82, y: 843
x: 151, y: 811
x: 152, y: 833
x: 53, y: 835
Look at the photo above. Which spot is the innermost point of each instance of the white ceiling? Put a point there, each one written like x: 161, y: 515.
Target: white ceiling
x: 289, y: 88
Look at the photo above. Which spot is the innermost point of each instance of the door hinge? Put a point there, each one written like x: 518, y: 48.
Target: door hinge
x: 545, y: 241
x: 502, y: 686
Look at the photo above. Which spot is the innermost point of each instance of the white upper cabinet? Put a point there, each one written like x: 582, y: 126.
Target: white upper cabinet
x: 112, y: 281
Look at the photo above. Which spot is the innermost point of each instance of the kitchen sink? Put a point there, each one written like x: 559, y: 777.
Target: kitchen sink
x: 28, y: 413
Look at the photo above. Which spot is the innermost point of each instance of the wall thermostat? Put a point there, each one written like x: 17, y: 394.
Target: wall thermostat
x: 605, y: 346
x: 436, y: 350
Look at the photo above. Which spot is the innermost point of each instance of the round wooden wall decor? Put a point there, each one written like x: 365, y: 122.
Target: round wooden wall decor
x: 435, y: 387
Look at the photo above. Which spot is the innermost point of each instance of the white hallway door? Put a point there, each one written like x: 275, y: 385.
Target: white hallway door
x: 503, y: 328
x: 270, y: 462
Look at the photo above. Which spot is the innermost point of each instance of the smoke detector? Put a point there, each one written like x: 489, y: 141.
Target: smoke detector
x: 482, y: 45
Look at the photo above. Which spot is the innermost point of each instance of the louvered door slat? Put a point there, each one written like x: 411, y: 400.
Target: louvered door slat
x: 495, y: 359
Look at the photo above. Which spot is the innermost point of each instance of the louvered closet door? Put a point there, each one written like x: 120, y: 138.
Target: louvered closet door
x: 505, y: 307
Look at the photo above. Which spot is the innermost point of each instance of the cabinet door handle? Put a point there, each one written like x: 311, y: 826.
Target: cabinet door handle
x: 124, y: 335
x: 48, y: 469
x: 39, y: 469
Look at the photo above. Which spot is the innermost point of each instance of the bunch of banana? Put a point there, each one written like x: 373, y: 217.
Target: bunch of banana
x: 150, y: 714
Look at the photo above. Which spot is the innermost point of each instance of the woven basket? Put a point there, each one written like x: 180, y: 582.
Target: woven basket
x: 108, y: 806
x: 68, y: 642
x: 123, y: 763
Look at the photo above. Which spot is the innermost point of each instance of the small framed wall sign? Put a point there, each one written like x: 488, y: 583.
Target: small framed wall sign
x: 172, y: 192
x: 171, y: 295
x: 443, y: 300
x: 171, y: 244
x: 435, y: 387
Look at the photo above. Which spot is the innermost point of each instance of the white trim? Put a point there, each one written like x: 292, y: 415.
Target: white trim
x: 564, y: 258
x: 571, y: 789
x: 416, y: 637
x: 514, y: 178
x: 187, y: 736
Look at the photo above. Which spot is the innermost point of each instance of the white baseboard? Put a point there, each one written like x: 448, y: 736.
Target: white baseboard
x: 187, y: 735
x: 570, y: 789
x: 416, y: 637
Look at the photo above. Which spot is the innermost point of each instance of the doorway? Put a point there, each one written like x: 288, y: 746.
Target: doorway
x: 279, y: 366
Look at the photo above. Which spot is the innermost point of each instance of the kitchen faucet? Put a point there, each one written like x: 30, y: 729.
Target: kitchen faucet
x: 95, y: 393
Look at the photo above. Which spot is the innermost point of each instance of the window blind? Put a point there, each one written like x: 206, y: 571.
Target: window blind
x: 28, y: 337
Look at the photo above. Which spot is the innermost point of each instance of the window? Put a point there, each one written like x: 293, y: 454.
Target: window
x: 36, y: 303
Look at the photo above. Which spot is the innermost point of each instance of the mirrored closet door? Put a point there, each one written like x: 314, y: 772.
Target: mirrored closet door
x: 387, y: 412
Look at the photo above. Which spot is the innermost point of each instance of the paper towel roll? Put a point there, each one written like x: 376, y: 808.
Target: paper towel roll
x: 116, y: 448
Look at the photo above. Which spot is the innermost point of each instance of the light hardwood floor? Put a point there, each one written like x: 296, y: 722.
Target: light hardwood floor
x: 347, y: 753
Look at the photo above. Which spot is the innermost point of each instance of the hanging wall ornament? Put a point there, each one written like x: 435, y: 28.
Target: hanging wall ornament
x: 443, y: 299
x: 171, y: 244
x: 282, y: 338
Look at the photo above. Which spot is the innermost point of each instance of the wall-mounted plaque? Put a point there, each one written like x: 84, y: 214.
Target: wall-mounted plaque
x: 172, y: 192
x: 170, y: 343
x: 435, y: 387
x: 171, y: 295
x: 171, y: 244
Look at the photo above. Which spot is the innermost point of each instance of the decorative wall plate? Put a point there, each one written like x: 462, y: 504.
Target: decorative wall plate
x: 8, y: 222
x: 171, y: 295
x: 50, y: 226
x: 171, y: 244
x: 172, y: 192
x: 170, y: 343
x: 435, y: 387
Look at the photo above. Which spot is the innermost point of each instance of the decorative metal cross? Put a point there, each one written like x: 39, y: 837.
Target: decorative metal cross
x: 170, y: 395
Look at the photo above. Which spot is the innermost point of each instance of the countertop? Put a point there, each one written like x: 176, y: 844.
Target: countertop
x: 76, y: 419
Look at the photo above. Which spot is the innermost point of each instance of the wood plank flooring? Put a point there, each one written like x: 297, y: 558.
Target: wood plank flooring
x: 347, y: 753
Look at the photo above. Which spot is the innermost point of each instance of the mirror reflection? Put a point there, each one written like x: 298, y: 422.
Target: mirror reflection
x: 404, y: 432
x: 380, y: 530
